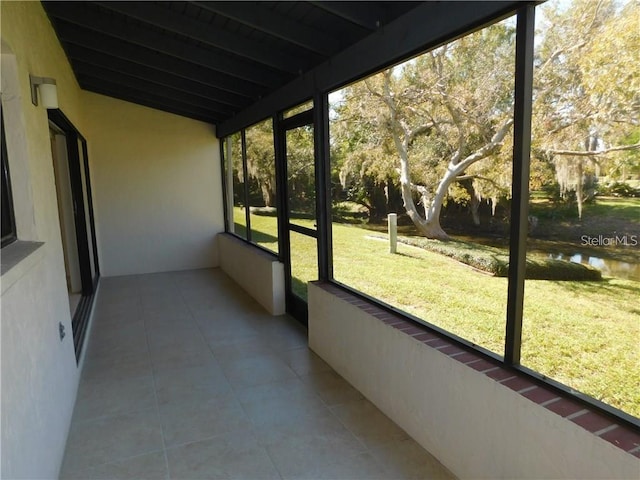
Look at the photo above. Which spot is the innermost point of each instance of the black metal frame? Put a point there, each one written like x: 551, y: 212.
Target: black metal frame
x: 7, y: 195
x: 295, y: 306
x: 225, y: 200
x: 245, y: 175
x: 520, y: 182
x: 520, y: 190
x: 80, y: 318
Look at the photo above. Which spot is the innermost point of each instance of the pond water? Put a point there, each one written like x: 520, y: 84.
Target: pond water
x: 608, y: 267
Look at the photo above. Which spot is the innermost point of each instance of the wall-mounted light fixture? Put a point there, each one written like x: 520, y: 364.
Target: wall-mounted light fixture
x: 48, y: 91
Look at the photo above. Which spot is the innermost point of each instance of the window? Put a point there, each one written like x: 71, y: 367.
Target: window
x: 583, y: 328
x: 518, y: 239
x: 261, y: 185
x: 250, y: 172
x: 430, y: 140
x: 8, y: 220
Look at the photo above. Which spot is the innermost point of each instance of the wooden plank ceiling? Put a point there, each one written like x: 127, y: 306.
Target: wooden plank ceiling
x: 207, y: 60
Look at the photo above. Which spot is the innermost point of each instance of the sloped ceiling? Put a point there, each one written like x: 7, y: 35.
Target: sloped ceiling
x: 207, y: 60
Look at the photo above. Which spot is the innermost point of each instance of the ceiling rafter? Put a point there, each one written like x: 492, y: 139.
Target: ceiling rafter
x: 83, y: 37
x: 237, y: 44
x: 152, y: 101
x: 262, y: 18
x: 82, y: 55
x: 111, y: 76
x: 370, y: 17
x: 211, y: 61
x: 163, y: 43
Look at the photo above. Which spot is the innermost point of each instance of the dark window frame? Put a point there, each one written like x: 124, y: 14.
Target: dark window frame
x: 225, y: 164
x: 525, y: 18
x: 78, y: 159
x: 9, y: 231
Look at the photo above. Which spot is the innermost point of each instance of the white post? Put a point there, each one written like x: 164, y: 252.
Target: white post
x: 392, y: 220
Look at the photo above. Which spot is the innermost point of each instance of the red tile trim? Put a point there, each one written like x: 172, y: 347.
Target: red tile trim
x: 518, y: 383
x: 467, y: 357
x: 621, y: 436
x: 565, y: 407
x: 592, y: 421
x: 482, y: 365
x: 452, y: 350
x: 540, y: 395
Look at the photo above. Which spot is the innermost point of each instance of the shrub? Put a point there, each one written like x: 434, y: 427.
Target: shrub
x: 496, y: 261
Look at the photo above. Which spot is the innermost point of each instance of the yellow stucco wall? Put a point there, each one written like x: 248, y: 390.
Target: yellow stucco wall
x: 39, y: 374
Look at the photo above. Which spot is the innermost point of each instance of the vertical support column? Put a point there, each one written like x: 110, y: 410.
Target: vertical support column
x: 323, y: 184
x: 279, y: 143
x: 229, y: 185
x: 245, y: 174
x: 520, y: 181
x: 392, y: 222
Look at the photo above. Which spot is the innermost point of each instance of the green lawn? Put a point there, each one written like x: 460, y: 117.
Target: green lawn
x: 583, y: 334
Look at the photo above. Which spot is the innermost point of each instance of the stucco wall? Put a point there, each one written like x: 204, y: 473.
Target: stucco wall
x: 476, y: 427
x: 156, y: 183
x: 39, y: 375
x: 258, y: 273
x: 156, y: 191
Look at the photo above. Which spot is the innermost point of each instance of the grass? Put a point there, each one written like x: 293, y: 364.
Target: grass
x: 583, y: 334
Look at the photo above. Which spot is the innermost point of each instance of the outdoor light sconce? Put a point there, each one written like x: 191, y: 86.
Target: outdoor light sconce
x: 48, y: 91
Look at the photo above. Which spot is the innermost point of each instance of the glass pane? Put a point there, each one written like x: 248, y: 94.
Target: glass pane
x: 299, y: 109
x: 234, y: 153
x: 431, y: 141
x: 304, y: 263
x: 301, y: 188
x: 581, y: 320
x: 261, y: 166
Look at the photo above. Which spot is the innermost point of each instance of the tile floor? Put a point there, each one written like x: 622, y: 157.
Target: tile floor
x: 186, y: 377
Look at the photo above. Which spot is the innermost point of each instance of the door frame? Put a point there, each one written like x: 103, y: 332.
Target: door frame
x: 295, y: 306
x: 78, y: 160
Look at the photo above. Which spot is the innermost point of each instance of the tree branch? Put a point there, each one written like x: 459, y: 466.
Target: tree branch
x: 587, y: 153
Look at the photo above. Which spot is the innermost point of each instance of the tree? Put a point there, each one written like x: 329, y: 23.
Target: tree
x: 586, y: 89
x: 442, y: 112
x: 261, y: 165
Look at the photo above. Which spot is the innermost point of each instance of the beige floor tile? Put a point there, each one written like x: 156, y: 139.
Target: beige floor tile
x: 171, y: 358
x: 331, y: 387
x: 99, y: 398
x: 110, y: 439
x: 245, y: 347
x: 368, y: 423
x: 194, y: 420
x: 405, y: 459
x: 151, y: 466
x: 174, y: 337
x: 119, y: 340
x: 258, y: 370
x: 168, y: 320
x: 303, y: 361
x: 306, y: 434
x: 332, y: 466
x: 109, y: 367
x: 235, y: 456
x: 184, y: 369
x: 190, y: 383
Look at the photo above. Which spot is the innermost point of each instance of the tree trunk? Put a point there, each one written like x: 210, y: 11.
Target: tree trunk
x: 475, y: 206
x: 580, y: 189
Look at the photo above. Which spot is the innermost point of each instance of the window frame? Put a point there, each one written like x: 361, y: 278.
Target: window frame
x: 11, y: 235
x: 228, y: 189
x: 524, y: 55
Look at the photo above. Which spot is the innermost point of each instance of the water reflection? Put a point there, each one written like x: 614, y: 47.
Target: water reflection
x: 608, y: 267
